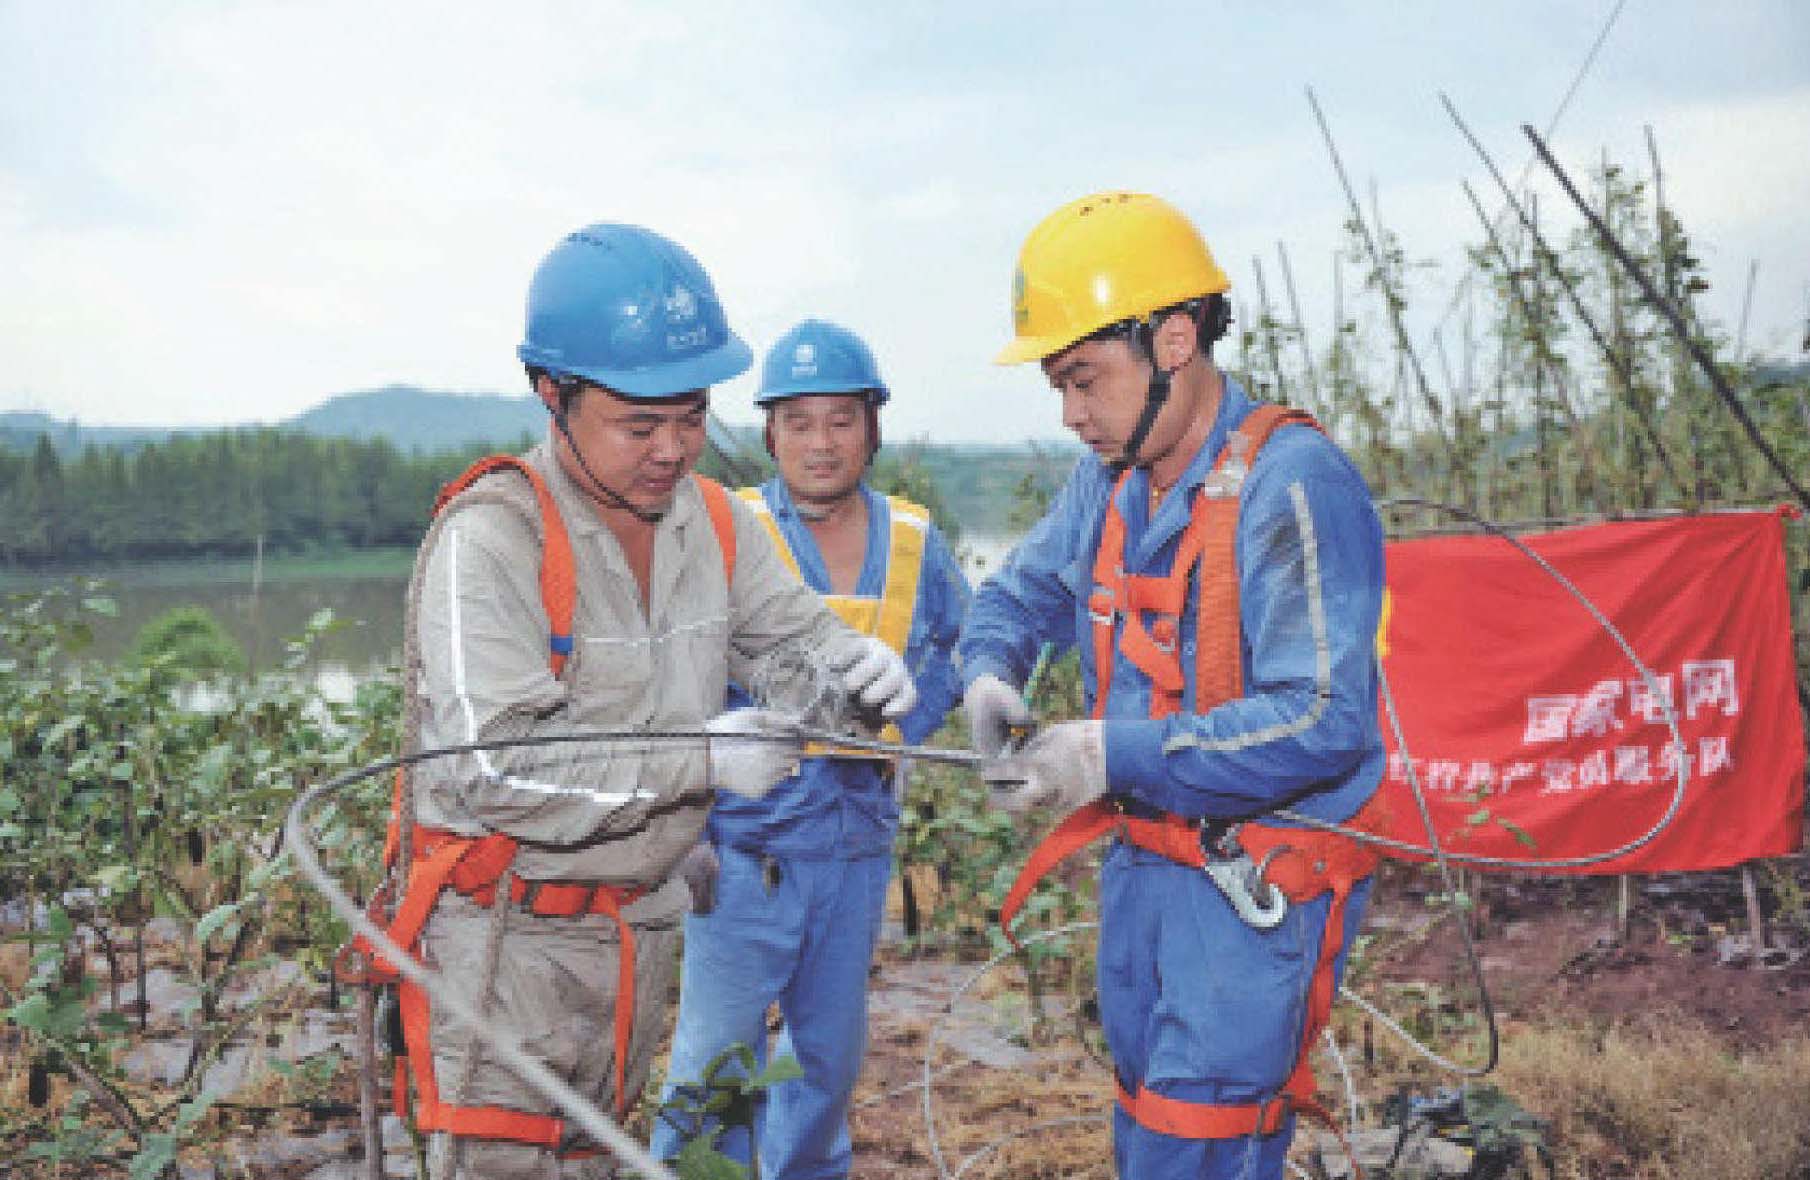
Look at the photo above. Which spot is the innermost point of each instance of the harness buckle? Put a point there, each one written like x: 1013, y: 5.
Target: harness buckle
x: 1225, y: 481
x: 1101, y: 608
x: 1241, y: 880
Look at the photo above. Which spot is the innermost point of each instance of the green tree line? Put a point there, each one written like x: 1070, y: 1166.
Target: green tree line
x: 215, y: 495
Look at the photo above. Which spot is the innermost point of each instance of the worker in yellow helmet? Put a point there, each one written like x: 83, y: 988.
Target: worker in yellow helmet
x: 1219, y: 565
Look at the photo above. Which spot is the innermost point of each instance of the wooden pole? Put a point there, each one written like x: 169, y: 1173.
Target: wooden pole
x: 1753, y: 274
x: 1272, y: 349
x: 369, y: 1127
x: 1675, y: 319
x: 1294, y: 309
x: 1756, y: 920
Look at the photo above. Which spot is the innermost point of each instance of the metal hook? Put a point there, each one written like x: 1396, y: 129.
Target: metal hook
x: 1239, y: 880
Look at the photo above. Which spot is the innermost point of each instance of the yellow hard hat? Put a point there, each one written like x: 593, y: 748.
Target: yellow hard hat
x: 1099, y: 261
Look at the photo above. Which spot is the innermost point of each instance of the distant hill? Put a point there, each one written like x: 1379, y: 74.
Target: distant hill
x: 1781, y: 373
x: 19, y: 431
x: 413, y: 419
x: 410, y: 418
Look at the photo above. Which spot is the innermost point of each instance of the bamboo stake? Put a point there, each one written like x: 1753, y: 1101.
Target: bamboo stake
x: 1536, y: 337
x: 1616, y: 360
x: 1674, y: 318
x: 1392, y: 299
x: 1552, y: 124
x: 1294, y: 310
x: 1269, y: 332
x: 370, y: 1129
x: 1756, y: 920
x: 1444, y: 359
x: 1543, y: 359
x: 1668, y: 269
x: 1627, y: 440
x: 1753, y: 274
x: 1336, y: 355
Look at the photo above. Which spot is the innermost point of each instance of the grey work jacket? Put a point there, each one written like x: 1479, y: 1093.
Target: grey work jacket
x: 611, y: 812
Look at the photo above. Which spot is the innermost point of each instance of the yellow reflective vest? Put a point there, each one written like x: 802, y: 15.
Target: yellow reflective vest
x: 888, y: 617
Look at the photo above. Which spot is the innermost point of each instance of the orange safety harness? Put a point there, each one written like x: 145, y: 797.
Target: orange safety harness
x: 472, y: 865
x: 1302, y: 863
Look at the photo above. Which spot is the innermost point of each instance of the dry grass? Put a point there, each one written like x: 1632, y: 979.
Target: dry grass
x: 978, y: 1107
x: 1657, y: 1100
x: 1664, y: 1102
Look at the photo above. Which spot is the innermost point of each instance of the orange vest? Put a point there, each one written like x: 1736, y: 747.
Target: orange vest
x: 1305, y: 863
x: 472, y: 865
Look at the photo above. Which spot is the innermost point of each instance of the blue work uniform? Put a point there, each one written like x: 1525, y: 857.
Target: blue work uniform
x: 803, y: 881
x: 1197, y: 1006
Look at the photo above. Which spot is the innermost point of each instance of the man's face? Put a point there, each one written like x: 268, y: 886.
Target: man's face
x: 821, y: 444
x: 1103, y: 386
x: 638, y: 448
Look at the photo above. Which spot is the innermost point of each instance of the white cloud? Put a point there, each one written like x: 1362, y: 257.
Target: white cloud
x: 227, y: 212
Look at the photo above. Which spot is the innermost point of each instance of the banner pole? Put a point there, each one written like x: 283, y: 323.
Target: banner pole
x: 1756, y: 921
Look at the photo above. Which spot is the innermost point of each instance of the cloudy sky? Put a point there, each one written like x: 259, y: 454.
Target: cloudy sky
x: 225, y: 212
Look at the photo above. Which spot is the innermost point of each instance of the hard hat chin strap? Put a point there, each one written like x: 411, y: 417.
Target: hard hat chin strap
x: 610, y: 495
x: 1154, y: 398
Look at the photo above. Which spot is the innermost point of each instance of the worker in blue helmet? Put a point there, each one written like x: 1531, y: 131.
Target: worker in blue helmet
x: 792, y: 885
x: 594, y: 584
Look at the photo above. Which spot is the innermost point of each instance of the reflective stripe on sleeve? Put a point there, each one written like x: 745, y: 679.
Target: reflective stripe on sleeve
x: 486, y: 767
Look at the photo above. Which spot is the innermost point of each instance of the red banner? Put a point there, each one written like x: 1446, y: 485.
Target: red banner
x: 1526, y: 722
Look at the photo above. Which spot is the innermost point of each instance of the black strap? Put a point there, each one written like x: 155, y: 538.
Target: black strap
x: 615, y: 498
x: 1154, y: 400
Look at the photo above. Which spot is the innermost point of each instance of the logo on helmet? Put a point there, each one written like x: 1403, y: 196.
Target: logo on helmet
x: 1021, y: 311
x: 804, y: 361
x: 690, y: 338
x: 681, y: 304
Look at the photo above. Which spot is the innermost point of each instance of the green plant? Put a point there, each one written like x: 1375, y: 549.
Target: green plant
x: 121, y: 805
x: 725, y: 1099
x: 190, y: 641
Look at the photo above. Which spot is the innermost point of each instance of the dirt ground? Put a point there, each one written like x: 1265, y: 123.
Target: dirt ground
x: 1553, y: 951
x: 1030, y: 1093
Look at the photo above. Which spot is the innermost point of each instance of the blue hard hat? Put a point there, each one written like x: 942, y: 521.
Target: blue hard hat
x: 626, y: 308
x: 819, y: 357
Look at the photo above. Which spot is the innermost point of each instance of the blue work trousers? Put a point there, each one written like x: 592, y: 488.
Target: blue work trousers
x: 800, y: 932
x: 1200, y: 1007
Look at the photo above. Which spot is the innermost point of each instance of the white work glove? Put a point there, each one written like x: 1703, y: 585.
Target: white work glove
x: 1063, y: 767
x: 875, y: 675
x: 699, y: 870
x: 993, y: 708
x: 748, y: 767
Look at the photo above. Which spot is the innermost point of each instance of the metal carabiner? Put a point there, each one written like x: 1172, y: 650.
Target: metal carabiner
x: 1239, y: 880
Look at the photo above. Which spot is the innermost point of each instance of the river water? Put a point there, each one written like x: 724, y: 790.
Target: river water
x: 262, y: 621
x: 263, y: 618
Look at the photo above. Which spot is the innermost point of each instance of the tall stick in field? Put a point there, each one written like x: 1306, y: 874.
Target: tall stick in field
x: 1546, y: 363
x: 1393, y: 300
x: 1672, y: 317
x: 1294, y: 310
x: 1664, y: 231
x: 1753, y: 275
x: 1271, y: 347
x: 1615, y: 358
x: 1552, y: 124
